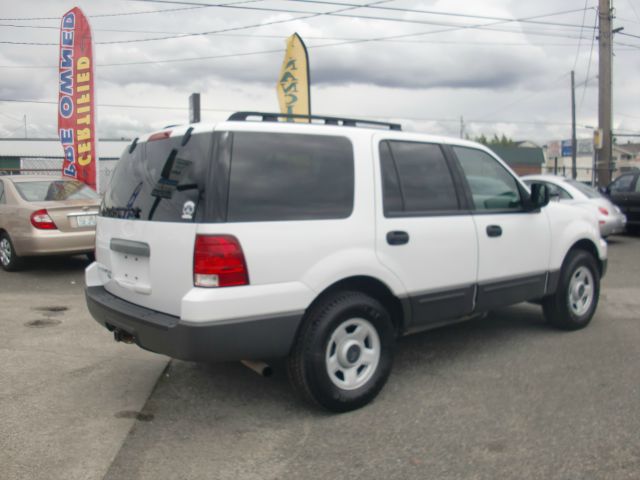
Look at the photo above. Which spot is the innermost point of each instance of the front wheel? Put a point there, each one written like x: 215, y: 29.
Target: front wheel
x: 575, y: 301
x: 344, y: 352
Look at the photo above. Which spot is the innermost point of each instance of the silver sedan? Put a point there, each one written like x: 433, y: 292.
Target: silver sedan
x: 610, y: 218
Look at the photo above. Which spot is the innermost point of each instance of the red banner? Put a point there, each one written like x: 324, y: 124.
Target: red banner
x: 76, y: 99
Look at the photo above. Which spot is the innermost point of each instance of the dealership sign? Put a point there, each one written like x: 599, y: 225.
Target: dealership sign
x: 76, y: 99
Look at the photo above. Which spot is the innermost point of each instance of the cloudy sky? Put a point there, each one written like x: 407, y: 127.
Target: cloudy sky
x: 503, y: 66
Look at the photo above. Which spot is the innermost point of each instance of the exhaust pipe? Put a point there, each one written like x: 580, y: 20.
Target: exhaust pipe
x: 122, y: 336
x: 260, y: 368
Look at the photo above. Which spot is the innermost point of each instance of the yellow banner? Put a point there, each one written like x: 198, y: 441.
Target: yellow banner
x: 293, y: 86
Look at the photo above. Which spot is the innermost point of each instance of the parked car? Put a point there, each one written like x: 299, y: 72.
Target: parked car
x: 569, y: 191
x: 43, y: 215
x: 624, y: 191
x: 322, y: 242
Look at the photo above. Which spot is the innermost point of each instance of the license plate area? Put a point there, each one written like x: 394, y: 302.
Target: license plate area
x: 130, y: 262
x: 86, y: 221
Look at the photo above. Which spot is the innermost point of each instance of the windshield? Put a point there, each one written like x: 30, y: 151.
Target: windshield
x: 54, y: 190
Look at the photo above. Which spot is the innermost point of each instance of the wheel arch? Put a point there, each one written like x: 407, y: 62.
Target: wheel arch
x: 589, y: 247
x: 399, y: 309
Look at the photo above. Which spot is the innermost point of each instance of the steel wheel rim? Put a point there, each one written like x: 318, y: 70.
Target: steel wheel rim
x: 5, y: 251
x: 581, y: 291
x: 353, y: 354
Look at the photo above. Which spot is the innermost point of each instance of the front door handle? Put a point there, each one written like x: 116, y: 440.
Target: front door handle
x: 494, y: 230
x: 397, y: 238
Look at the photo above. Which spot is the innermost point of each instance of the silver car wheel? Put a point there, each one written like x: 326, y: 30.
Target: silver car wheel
x: 5, y: 251
x: 353, y: 354
x: 581, y: 291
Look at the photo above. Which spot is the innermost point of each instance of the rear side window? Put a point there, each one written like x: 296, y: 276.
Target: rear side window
x: 160, y: 180
x: 276, y: 176
x: 54, y: 190
x: 415, y: 179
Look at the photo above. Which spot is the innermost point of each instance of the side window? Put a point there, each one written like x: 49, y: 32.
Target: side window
x: 492, y: 186
x: 638, y: 185
x: 2, y: 199
x: 622, y: 184
x: 277, y: 177
x: 415, y: 179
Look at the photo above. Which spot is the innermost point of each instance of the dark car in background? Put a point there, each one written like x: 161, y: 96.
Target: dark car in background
x: 624, y: 191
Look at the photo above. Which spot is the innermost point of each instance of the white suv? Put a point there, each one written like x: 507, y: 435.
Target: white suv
x: 323, y: 242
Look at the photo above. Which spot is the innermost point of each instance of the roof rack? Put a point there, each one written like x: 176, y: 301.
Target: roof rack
x: 344, y: 122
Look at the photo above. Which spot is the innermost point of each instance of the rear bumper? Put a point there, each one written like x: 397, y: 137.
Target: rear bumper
x: 240, y: 339
x: 55, y: 242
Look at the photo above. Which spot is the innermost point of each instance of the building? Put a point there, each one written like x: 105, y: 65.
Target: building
x: 525, y: 158
x: 44, y: 155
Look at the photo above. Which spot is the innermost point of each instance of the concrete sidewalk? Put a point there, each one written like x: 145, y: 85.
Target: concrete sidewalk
x: 69, y: 395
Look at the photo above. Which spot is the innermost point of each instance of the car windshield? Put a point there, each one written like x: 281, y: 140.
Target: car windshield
x: 54, y: 190
x: 590, y: 192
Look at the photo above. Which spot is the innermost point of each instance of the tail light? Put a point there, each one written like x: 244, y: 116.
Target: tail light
x: 218, y: 261
x: 604, y: 212
x: 41, y: 220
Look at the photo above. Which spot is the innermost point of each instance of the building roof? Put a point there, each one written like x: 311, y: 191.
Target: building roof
x: 50, y: 147
x: 519, y: 155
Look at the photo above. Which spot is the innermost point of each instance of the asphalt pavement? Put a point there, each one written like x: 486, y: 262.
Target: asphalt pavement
x: 506, y: 397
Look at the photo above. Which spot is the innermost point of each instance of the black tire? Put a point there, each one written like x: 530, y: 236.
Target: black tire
x: 328, y: 323
x: 572, y: 306
x: 91, y: 257
x: 9, y: 259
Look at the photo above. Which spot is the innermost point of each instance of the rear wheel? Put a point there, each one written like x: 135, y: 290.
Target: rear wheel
x: 344, y: 351
x: 576, y: 299
x: 9, y: 259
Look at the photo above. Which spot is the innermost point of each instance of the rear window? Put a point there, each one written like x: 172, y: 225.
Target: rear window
x: 277, y: 176
x: 161, y: 180
x: 54, y: 190
x: 588, y: 191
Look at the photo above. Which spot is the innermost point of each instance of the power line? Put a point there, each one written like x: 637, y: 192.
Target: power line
x: 584, y: 15
x: 119, y: 14
x: 160, y: 107
x: 584, y: 90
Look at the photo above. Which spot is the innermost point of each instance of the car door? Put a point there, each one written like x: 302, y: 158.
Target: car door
x: 513, y: 243
x: 423, y: 233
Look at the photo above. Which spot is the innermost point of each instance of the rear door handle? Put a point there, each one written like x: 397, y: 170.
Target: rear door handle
x: 397, y: 238
x: 494, y: 230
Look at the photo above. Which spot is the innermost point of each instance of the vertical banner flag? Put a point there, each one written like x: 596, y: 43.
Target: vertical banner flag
x: 76, y: 99
x: 294, y: 89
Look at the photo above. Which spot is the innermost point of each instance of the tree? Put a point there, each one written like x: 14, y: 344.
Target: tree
x: 503, y: 140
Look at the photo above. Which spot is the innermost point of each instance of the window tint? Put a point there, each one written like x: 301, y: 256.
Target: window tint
x: 622, y: 184
x: 278, y: 176
x: 415, y: 178
x: 161, y: 180
x: 54, y: 190
x: 492, y: 186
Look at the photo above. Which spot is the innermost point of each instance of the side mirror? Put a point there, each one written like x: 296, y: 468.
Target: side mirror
x: 539, y: 195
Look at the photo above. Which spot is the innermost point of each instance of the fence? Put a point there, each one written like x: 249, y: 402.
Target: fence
x: 52, y: 166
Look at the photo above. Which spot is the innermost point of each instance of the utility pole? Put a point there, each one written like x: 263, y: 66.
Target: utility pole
x: 461, y: 127
x: 604, y: 92
x: 25, y: 125
x: 574, y: 142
